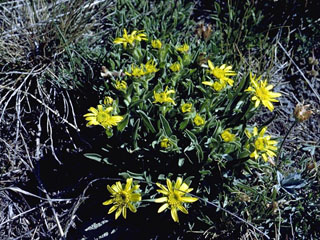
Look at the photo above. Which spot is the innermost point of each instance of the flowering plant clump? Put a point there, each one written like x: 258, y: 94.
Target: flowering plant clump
x: 170, y: 109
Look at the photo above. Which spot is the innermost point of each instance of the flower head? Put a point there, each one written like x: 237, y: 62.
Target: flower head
x: 131, y: 38
x: 108, y: 100
x: 121, y: 85
x: 222, y: 73
x: 217, y: 86
x: 186, y: 107
x: 262, y: 93
x: 198, y: 120
x: 136, y: 71
x: 150, y: 67
x: 227, y: 136
x: 174, y: 197
x: 175, y: 67
x: 165, y: 143
x: 101, y: 116
x: 163, y: 97
x: 263, y: 145
x: 184, y: 48
x: 156, y: 44
x: 122, y: 198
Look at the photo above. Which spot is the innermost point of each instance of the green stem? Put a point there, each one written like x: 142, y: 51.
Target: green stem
x: 284, y: 139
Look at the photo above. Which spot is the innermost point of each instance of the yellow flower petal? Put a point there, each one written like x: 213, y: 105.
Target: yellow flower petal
x: 178, y: 183
x: 182, y: 209
x: 189, y: 199
x: 161, y: 200
x: 135, y: 197
x: 210, y: 65
x: 118, y: 213
x: 174, y: 214
x: 108, y: 202
x: 124, y: 212
x: 112, y: 209
x: 163, y: 207
x: 162, y: 191
x: 132, y: 208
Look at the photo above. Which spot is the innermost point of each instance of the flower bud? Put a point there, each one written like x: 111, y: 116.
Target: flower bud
x: 108, y: 100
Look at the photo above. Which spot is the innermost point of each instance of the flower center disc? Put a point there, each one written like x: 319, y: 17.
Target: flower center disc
x: 263, y: 93
x: 260, y: 144
x: 102, y: 117
x: 122, y: 198
x: 218, y: 73
x: 174, y: 198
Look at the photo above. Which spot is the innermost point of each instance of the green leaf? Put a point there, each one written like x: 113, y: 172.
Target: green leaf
x: 293, y: 181
x: 183, y: 124
x: 161, y: 177
x: 109, y: 132
x: 93, y: 156
x: 106, y: 161
x: 165, y: 125
x: 199, y: 152
x: 191, y: 135
x: 128, y: 174
x: 180, y: 162
x: 135, y: 136
x: 204, y: 172
x: 146, y: 120
x: 123, y: 124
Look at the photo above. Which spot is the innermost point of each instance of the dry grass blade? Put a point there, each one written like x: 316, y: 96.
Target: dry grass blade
x: 300, y: 71
x: 37, y: 31
x: 33, y: 34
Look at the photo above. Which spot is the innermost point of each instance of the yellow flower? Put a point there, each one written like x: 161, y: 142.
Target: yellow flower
x: 174, y: 197
x: 150, y: 67
x: 156, y: 44
x: 108, y: 100
x: 122, y: 198
x: 183, y: 48
x: 121, y: 85
x: 227, y: 136
x: 163, y: 96
x: 131, y: 38
x: 262, y: 93
x: 264, y: 146
x: 101, y: 116
x: 136, y: 71
x: 198, y: 120
x: 222, y: 73
x: 175, y: 67
x: 186, y: 107
x: 218, y: 86
x: 165, y: 143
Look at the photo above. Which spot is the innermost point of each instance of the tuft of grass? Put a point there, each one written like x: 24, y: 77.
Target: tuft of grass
x: 37, y: 32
